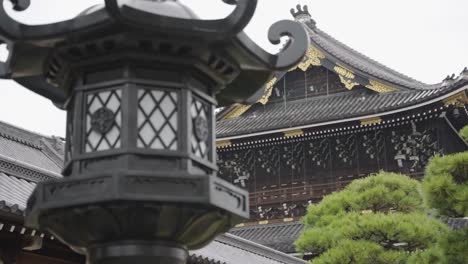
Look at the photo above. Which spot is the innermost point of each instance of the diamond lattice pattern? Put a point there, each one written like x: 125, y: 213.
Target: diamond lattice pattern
x: 96, y: 141
x: 199, y: 109
x: 157, y: 119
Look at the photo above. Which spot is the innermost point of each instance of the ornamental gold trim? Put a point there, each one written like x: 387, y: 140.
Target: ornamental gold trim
x: 223, y: 143
x: 342, y: 71
x: 268, y: 91
x: 292, y: 133
x: 313, y: 57
x: 348, y: 83
x: 346, y: 76
x: 380, y: 87
x: 241, y: 108
x: 371, y: 121
x: 457, y: 100
x: 237, y: 111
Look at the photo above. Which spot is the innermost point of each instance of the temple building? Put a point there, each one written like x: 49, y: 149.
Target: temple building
x: 336, y: 117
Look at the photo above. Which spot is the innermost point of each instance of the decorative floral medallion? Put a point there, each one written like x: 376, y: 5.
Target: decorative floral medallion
x: 201, y: 128
x: 102, y: 120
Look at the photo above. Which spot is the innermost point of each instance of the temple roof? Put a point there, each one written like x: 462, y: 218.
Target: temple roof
x: 30, y: 150
x: 332, y: 53
x: 25, y: 159
x: 14, y: 193
x: 231, y: 249
x: 359, y: 63
x: 279, y: 236
x: 373, y: 89
x: 339, y: 107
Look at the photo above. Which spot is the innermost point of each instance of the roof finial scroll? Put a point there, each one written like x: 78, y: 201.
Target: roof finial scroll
x: 301, y: 14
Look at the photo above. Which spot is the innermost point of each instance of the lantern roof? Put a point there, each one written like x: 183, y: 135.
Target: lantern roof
x: 168, y: 8
x: 217, y: 48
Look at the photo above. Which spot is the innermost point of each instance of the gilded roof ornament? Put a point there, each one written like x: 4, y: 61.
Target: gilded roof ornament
x: 241, y: 108
x: 380, y: 87
x: 458, y: 100
x: 371, y: 121
x: 346, y: 77
x: 342, y: 71
x: 223, y: 143
x: 293, y: 133
x: 268, y: 91
x: 348, y: 83
x: 313, y: 57
x: 237, y: 111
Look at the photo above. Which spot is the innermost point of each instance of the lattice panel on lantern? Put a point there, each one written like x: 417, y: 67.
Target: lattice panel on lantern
x: 103, y: 121
x: 157, y: 119
x: 200, y: 113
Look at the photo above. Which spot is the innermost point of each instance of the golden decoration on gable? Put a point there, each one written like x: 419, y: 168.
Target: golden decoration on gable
x: 313, y: 57
x: 348, y: 83
x: 268, y: 91
x: 346, y: 76
x: 241, y: 108
x: 458, y: 100
x: 342, y: 71
x: 237, y: 111
x: 380, y: 87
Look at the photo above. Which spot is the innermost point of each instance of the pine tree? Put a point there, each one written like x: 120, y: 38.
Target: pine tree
x: 378, y: 219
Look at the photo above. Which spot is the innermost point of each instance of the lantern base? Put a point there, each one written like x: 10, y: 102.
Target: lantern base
x: 102, y: 216
x: 141, y: 252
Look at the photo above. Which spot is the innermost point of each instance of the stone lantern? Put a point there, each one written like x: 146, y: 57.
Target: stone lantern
x: 140, y: 80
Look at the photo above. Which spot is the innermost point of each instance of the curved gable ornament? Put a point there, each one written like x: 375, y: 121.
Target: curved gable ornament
x: 346, y: 77
x: 380, y: 87
x: 313, y: 57
x: 254, y: 66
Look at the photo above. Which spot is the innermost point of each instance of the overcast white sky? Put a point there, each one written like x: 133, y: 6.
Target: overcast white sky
x: 425, y: 39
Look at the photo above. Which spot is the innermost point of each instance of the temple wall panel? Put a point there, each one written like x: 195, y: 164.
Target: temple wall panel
x: 287, y: 174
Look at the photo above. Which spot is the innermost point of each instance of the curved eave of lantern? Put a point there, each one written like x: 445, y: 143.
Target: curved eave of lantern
x: 31, y: 46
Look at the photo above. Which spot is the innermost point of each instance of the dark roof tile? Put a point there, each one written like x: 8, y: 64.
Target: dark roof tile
x: 339, y: 106
x: 232, y: 249
x: 34, y: 150
x: 279, y: 236
x: 346, y: 55
x: 14, y: 192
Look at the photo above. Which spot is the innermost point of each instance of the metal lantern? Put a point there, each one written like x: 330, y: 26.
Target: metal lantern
x: 140, y: 81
